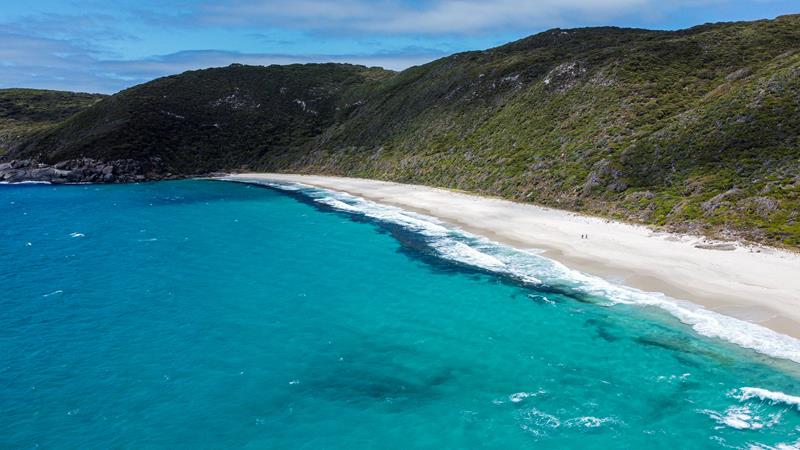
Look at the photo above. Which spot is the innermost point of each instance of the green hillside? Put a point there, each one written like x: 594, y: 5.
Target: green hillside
x: 24, y: 112
x: 207, y: 120
x: 694, y: 129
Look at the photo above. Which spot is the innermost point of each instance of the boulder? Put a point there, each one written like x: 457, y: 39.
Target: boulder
x: 82, y: 170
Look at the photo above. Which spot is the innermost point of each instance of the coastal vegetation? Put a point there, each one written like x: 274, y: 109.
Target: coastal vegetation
x: 693, y: 130
x: 24, y: 112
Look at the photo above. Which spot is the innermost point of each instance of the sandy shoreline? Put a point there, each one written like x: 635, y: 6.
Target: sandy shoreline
x: 759, y: 285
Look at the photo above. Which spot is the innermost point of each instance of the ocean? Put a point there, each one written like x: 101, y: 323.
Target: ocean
x: 209, y: 314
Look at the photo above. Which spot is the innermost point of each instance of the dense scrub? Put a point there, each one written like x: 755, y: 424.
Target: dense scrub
x: 695, y: 129
x: 24, y: 112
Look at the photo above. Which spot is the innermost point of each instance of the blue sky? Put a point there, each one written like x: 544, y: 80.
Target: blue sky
x: 105, y: 46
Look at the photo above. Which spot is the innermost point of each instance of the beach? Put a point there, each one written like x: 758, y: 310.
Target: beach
x: 757, y: 284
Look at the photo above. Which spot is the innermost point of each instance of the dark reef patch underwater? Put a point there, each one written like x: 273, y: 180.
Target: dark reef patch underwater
x: 199, y: 314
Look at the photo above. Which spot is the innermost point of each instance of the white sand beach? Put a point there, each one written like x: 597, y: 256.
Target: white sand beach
x: 757, y: 284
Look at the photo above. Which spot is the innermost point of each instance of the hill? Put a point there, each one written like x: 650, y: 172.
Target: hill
x: 24, y: 112
x: 694, y: 129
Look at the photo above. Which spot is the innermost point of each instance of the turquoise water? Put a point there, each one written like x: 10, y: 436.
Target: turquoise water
x: 201, y: 314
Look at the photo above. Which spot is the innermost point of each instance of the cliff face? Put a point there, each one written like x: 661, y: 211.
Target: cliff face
x: 694, y: 129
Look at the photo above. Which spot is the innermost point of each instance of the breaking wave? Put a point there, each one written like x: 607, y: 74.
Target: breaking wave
x: 25, y: 182
x: 747, y: 393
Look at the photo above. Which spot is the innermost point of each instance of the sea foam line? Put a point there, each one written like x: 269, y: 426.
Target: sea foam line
x: 25, y: 182
x: 529, y: 267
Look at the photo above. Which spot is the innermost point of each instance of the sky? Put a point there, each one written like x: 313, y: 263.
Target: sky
x: 108, y: 45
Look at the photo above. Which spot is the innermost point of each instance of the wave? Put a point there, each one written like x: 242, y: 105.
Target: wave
x: 747, y: 393
x: 740, y: 418
x: 25, y: 182
x: 778, y: 446
x: 752, y: 416
x: 529, y: 267
x: 520, y: 396
x: 589, y: 422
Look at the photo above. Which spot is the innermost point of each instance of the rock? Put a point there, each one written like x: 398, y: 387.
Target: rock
x: 42, y: 174
x: 82, y: 170
x: 717, y: 246
x: 763, y: 206
x: 719, y: 200
x: 604, y: 173
x: 618, y: 186
x: 63, y: 164
x: 564, y: 76
x: 738, y: 75
x: 640, y: 195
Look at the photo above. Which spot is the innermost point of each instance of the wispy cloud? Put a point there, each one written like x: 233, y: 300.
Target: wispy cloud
x: 95, y: 45
x: 57, y: 64
x: 429, y: 17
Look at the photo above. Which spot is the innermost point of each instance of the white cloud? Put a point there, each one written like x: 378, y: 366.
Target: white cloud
x: 29, y: 61
x: 83, y: 52
x: 432, y: 17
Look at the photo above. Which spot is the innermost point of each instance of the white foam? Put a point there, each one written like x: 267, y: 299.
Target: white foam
x: 337, y: 204
x: 778, y: 446
x: 752, y: 416
x: 520, y: 396
x: 589, y: 422
x: 672, y: 378
x: 784, y: 446
x: 737, y: 417
x: 541, y: 299
x: 26, y: 182
x: 537, y: 422
x: 747, y: 393
x: 532, y: 268
x: 77, y: 235
x: 463, y: 253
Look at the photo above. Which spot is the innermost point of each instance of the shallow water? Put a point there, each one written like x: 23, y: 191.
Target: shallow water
x: 203, y: 314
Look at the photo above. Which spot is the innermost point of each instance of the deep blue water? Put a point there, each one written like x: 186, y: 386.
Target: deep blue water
x: 201, y: 314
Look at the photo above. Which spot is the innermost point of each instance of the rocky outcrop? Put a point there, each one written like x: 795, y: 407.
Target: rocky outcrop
x: 604, y: 173
x: 724, y: 199
x: 565, y: 76
x: 764, y: 207
x: 84, y: 170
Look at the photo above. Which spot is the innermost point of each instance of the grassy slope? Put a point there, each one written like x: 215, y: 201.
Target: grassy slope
x: 695, y: 129
x: 24, y: 112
